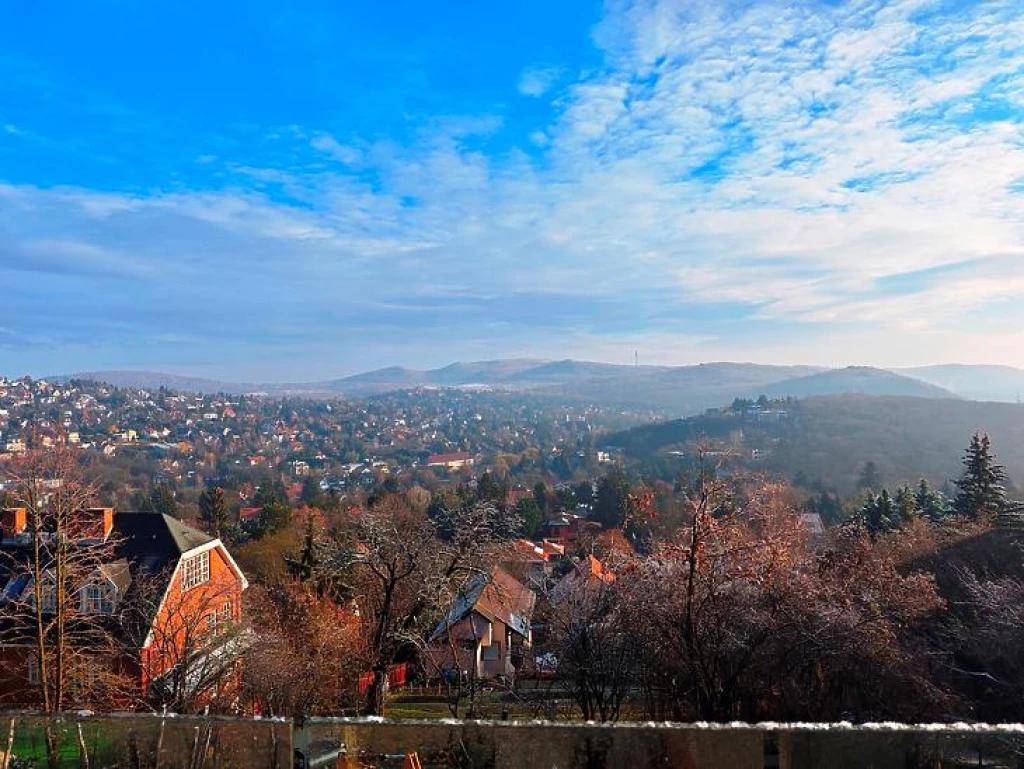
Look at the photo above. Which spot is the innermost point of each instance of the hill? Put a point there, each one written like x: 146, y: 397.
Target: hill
x: 987, y: 383
x: 828, y: 439
x: 453, y: 375
x: 674, y: 389
x: 678, y: 389
x: 854, y: 379
x: 152, y: 380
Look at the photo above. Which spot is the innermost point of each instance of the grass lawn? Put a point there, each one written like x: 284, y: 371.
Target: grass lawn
x: 30, y: 742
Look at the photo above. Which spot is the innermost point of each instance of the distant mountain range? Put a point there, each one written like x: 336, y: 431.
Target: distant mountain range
x: 982, y: 383
x: 675, y: 389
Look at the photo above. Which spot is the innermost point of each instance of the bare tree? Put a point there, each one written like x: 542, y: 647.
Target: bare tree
x: 706, y: 600
x: 322, y: 642
x: 61, y: 605
x: 189, y: 642
x: 989, y: 638
x: 404, y: 569
x: 591, y: 635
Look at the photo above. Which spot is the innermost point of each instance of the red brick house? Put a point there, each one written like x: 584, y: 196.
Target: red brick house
x: 161, y: 602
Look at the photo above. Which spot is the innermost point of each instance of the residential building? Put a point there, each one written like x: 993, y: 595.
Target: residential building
x: 157, y: 596
x: 451, y: 461
x: 486, y: 630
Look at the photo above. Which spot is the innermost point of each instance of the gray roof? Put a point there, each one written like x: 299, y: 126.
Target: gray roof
x: 153, y: 540
x: 118, y: 573
x: 496, y: 596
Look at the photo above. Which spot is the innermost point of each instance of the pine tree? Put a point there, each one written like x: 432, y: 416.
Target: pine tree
x: 870, y: 478
x: 213, y: 511
x: 981, y: 487
x: 906, y: 505
x: 931, y: 504
x: 879, y: 514
x: 160, y: 500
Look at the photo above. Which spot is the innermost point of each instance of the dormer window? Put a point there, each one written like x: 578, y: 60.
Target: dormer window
x: 97, y: 599
x: 195, y: 571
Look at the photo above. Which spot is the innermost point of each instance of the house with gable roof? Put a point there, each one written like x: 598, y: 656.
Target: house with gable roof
x: 165, y: 594
x: 486, y: 629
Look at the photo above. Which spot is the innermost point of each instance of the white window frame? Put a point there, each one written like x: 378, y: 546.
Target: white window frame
x: 96, y: 599
x: 195, y: 570
x: 33, y: 669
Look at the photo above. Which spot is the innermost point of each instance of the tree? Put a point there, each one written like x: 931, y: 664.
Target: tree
x: 311, y: 493
x: 870, y: 479
x: 402, y: 571
x: 540, y: 496
x: 70, y: 638
x: 322, y: 642
x: 309, y: 559
x: 274, y: 517
x: 270, y: 493
x: 491, y: 488
x: 161, y: 500
x: 611, y: 504
x: 213, y: 511
x: 532, y: 516
x: 590, y: 634
x: 981, y: 489
x: 708, y: 599
x: 739, y: 618
x: 990, y: 637
x: 879, y: 513
x: 905, y: 502
x: 931, y: 504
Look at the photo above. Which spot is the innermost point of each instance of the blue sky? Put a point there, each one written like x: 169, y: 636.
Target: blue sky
x: 269, y: 191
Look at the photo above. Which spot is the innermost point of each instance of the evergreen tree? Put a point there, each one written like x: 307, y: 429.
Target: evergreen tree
x: 540, y: 494
x: 905, y: 503
x: 611, y: 502
x: 213, y: 511
x: 870, y: 479
x: 311, y: 494
x: 161, y: 500
x: 879, y: 514
x: 980, y: 489
x: 931, y: 504
x: 828, y: 506
x: 269, y: 493
x: 274, y: 517
x: 532, y: 516
x: 491, y: 488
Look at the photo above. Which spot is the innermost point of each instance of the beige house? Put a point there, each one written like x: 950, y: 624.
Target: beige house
x: 486, y: 629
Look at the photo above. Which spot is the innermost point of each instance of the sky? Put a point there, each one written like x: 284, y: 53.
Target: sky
x: 268, y: 191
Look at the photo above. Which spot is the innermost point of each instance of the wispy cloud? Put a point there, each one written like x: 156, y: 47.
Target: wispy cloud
x: 341, y: 152
x: 752, y: 180
x: 537, y: 81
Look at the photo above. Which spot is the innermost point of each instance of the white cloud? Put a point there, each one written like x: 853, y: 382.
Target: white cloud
x: 537, y: 81
x: 343, y: 153
x: 816, y: 169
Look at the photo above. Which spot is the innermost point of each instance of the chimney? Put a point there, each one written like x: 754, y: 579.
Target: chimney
x: 13, y: 521
x: 93, y: 523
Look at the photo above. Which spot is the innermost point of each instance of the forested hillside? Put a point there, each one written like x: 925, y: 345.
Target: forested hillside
x: 827, y: 440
